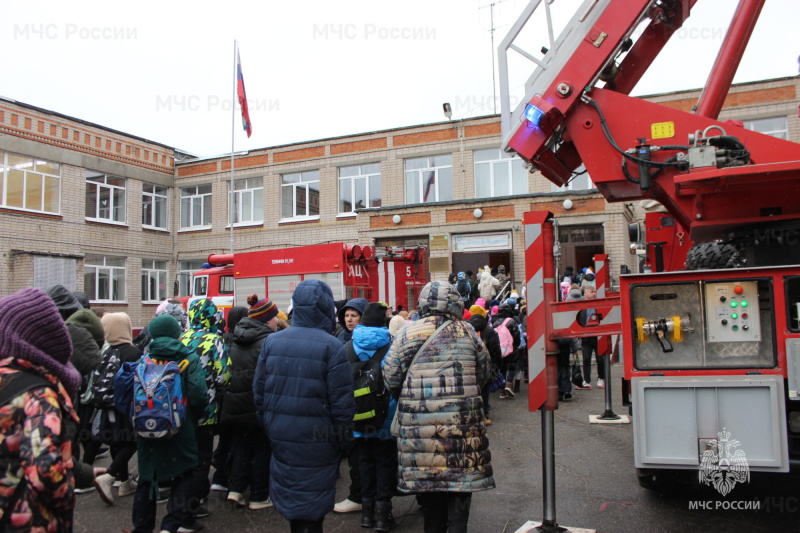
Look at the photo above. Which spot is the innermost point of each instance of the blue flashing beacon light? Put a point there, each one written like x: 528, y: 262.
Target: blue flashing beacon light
x: 533, y: 115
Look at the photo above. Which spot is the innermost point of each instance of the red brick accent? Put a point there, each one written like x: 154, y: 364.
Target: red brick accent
x: 482, y: 130
x: 425, y: 137
x: 14, y: 120
x: 744, y: 98
x: 76, y: 136
x: 302, y: 153
x: 53, y: 130
x: 39, y: 126
x: 359, y: 146
x: 194, y: 170
x: 246, y: 162
x: 408, y: 219
x: 489, y: 213
x: 27, y: 123
x: 580, y: 205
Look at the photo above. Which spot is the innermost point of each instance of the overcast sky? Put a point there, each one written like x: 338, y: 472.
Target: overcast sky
x: 313, y: 69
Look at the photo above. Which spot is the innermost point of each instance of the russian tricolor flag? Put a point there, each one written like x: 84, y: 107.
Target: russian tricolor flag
x: 242, y: 97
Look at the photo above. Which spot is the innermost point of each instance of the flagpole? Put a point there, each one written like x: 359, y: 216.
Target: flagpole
x: 233, y: 136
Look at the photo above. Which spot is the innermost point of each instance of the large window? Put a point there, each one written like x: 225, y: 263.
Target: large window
x: 154, y: 206
x: 499, y: 174
x: 185, y: 271
x: 29, y: 183
x: 359, y: 187
x: 247, y: 201
x: 104, y: 278
x: 105, y: 198
x: 429, y: 179
x: 154, y: 281
x: 775, y: 126
x: 196, y: 207
x: 300, y: 194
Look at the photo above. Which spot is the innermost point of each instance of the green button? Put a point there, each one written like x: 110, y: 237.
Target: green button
x: 734, y: 315
x: 735, y: 328
x: 734, y: 304
x: 744, y: 303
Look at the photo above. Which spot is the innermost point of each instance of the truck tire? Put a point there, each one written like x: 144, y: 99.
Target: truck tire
x: 713, y: 255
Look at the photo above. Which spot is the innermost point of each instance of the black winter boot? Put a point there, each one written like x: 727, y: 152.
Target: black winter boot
x: 384, y: 520
x: 516, y: 385
x: 367, y: 515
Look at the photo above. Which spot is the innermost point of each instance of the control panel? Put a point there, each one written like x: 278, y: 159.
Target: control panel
x: 732, y: 311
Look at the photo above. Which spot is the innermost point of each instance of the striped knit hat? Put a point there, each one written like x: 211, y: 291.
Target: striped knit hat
x: 262, y: 310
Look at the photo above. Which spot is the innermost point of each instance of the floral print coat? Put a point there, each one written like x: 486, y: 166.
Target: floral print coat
x: 35, y: 446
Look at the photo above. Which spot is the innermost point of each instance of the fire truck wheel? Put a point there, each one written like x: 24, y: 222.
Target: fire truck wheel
x: 712, y: 255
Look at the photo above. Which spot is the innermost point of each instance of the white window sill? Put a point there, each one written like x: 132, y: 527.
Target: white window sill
x: 107, y: 221
x: 347, y: 215
x: 246, y: 224
x: 155, y: 228
x: 298, y: 219
x: 194, y: 228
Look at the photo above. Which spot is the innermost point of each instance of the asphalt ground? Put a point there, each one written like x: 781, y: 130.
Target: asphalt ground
x: 596, y: 486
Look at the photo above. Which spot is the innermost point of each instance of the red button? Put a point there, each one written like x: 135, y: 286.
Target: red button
x: 738, y: 289
x: 744, y: 316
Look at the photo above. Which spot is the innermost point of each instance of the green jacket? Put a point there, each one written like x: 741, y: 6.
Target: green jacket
x: 163, y: 459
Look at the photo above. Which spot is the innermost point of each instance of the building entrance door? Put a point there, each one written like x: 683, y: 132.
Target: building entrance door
x: 578, y: 245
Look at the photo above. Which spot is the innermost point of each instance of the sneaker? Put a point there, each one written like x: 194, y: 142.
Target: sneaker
x: 260, y: 505
x: 105, y: 486
x: 216, y: 487
x: 601, y: 384
x: 193, y: 526
x: 509, y: 393
x: 346, y: 506
x: 84, y: 490
x: 584, y: 386
x: 127, y: 487
x: 236, y: 498
x: 202, y: 512
x: 487, y: 422
x: 503, y: 394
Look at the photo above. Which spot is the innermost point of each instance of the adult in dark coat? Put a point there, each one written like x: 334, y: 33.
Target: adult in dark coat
x: 304, y: 398
x: 250, y: 453
x: 356, y: 304
x: 490, y: 339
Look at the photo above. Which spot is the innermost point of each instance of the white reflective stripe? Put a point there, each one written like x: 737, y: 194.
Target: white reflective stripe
x: 614, y: 316
x: 532, y: 232
x: 601, y: 289
x: 534, y: 290
x: 564, y: 319
x: 382, y: 281
x: 392, y: 285
x: 536, y: 358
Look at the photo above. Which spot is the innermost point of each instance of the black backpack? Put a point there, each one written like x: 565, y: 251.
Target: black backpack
x: 102, y: 380
x: 372, y: 398
x: 464, y: 289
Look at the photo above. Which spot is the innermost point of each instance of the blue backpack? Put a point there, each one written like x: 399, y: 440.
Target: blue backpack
x: 158, y: 404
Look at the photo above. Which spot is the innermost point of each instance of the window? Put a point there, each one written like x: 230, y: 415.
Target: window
x: 154, y: 206
x: 55, y: 270
x: 104, y: 278
x: 580, y: 181
x: 247, y: 199
x: 300, y: 194
x: 29, y: 183
x: 196, y: 207
x: 775, y: 126
x: 359, y: 187
x: 105, y: 198
x: 154, y: 281
x: 185, y: 271
x: 429, y: 179
x: 499, y: 174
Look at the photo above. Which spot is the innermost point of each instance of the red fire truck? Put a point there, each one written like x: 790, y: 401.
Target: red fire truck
x: 393, y: 275
x: 710, y: 345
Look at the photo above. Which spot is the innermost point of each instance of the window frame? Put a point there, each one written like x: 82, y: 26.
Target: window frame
x: 150, y: 269
x: 749, y: 123
x: 116, y: 206
x: 294, y: 186
x: 113, y: 272
x: 256, y: 201
x: 6, y: 169
x: 421, y: 173
x: 502, y: 158
x: 154, y: 196
x: 201, y: 196
x: 367, y: 177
